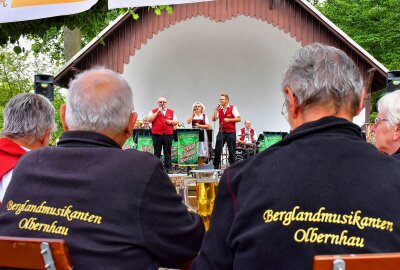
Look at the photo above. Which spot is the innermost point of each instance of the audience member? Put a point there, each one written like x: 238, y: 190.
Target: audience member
x: 162, y: 121
x: 116, y: 209
x: 387, y: 124
x: 28, y: 120
x: 321, y: 190
x: 228, y: 116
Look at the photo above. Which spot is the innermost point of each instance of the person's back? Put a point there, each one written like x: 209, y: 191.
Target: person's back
x: 321, y: 190
x: 116, y: 209
x: 331, y: 199
x: 110, y: 213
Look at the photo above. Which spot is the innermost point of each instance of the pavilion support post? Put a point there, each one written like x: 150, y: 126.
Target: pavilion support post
x: 367, y: 97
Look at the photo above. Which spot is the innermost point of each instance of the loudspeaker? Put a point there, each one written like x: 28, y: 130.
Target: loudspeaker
x: 393, y: 80
x: 44, y: 85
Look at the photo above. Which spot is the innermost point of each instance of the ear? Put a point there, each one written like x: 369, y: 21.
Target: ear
x: 396, y: 134
x: 46, y: 138
x: 63, y: 109
x: 361, y: 106
x: 131, y: 124
x: 292, y: 102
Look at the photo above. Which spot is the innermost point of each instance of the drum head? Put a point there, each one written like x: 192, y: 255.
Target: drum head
x: 241, y: 153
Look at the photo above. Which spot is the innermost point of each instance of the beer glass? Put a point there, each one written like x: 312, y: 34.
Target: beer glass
x: 206, y: 190
x: 178, y: 180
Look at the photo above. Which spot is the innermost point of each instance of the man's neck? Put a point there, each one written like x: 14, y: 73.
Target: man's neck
x: 316, y: 113
x: 394, y: 148
x: 25, y: 144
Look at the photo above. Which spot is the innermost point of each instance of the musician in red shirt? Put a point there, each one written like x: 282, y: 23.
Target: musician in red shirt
x: 162, y: 121
x: 198, y: 119
x: 228, y: 116
x: 247, y: 135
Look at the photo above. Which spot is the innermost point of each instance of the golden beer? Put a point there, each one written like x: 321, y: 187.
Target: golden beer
x: 205, y: 194
x: 206, y: 191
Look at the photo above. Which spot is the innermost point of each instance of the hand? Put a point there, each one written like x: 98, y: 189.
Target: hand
x: 226, y: 120
x: 169, y: 122
x: 159, y: 109
x: 197, y: 125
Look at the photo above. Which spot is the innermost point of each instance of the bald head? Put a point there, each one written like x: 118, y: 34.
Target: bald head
x: 99, y: 100
x: 247, y: 123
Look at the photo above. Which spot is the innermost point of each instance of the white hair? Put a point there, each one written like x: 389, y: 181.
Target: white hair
x: 99, y: 100
x: 28, y: 116
x: 321, y: 73
x: 389, y: 105
x: 199, y: 104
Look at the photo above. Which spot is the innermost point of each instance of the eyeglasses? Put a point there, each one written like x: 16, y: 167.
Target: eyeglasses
x: 377, y: 119
x: 284, y: 110
x: 162, y: 102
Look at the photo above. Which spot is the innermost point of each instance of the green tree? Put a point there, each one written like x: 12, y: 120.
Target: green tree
x: 371, y: 23
x: 13, y: 78
x: 16, y: 76
x: 48, y: 34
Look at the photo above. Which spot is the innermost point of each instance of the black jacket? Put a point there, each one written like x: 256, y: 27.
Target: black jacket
x: 116, y: 209
x: 397, y: 155
x: 321, y: 190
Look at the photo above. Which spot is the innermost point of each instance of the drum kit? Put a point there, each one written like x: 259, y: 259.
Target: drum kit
x: 245, y: 150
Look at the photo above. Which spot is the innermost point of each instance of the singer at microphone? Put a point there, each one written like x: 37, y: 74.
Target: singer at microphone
x: 228, y: 116
x: 163, y: 121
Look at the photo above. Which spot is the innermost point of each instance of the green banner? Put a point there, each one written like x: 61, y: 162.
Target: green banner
x: 269, y: 139
x: 174, y: 152
x: 188, y: 144
x: 145, y: 143
x: 129, y: 143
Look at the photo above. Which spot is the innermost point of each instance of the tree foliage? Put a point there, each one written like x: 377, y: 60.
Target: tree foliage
x: 16, y: 76
x: 373, y: 24
x: 47, y: 33
x: 90, y: 22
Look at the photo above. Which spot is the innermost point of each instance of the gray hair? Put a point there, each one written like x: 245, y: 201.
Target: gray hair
x: 319, y: 74
x: 28, y: 116
x: 389, y: 105
x: 99, y: 100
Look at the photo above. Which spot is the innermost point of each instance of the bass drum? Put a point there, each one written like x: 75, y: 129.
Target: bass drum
x: 241, y: 153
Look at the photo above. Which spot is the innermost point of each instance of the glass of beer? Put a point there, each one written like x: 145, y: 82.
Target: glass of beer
x: 178, y: 181
x: 206, y: 190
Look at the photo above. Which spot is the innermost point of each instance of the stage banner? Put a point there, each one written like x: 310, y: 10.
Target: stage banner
x: 145, y: 143
x: 129, y: 144
x: 174, y: 152
x: 269, y: 139
x: 24, y: 10
x: 140, y: 3
x: 188, y: 144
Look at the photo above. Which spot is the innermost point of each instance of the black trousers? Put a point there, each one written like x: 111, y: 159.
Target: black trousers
x: 163, y: 142
x: 230, y: 139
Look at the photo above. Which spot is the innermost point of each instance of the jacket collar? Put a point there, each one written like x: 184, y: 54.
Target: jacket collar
x: 329, y: 124
x: 86, y: 139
